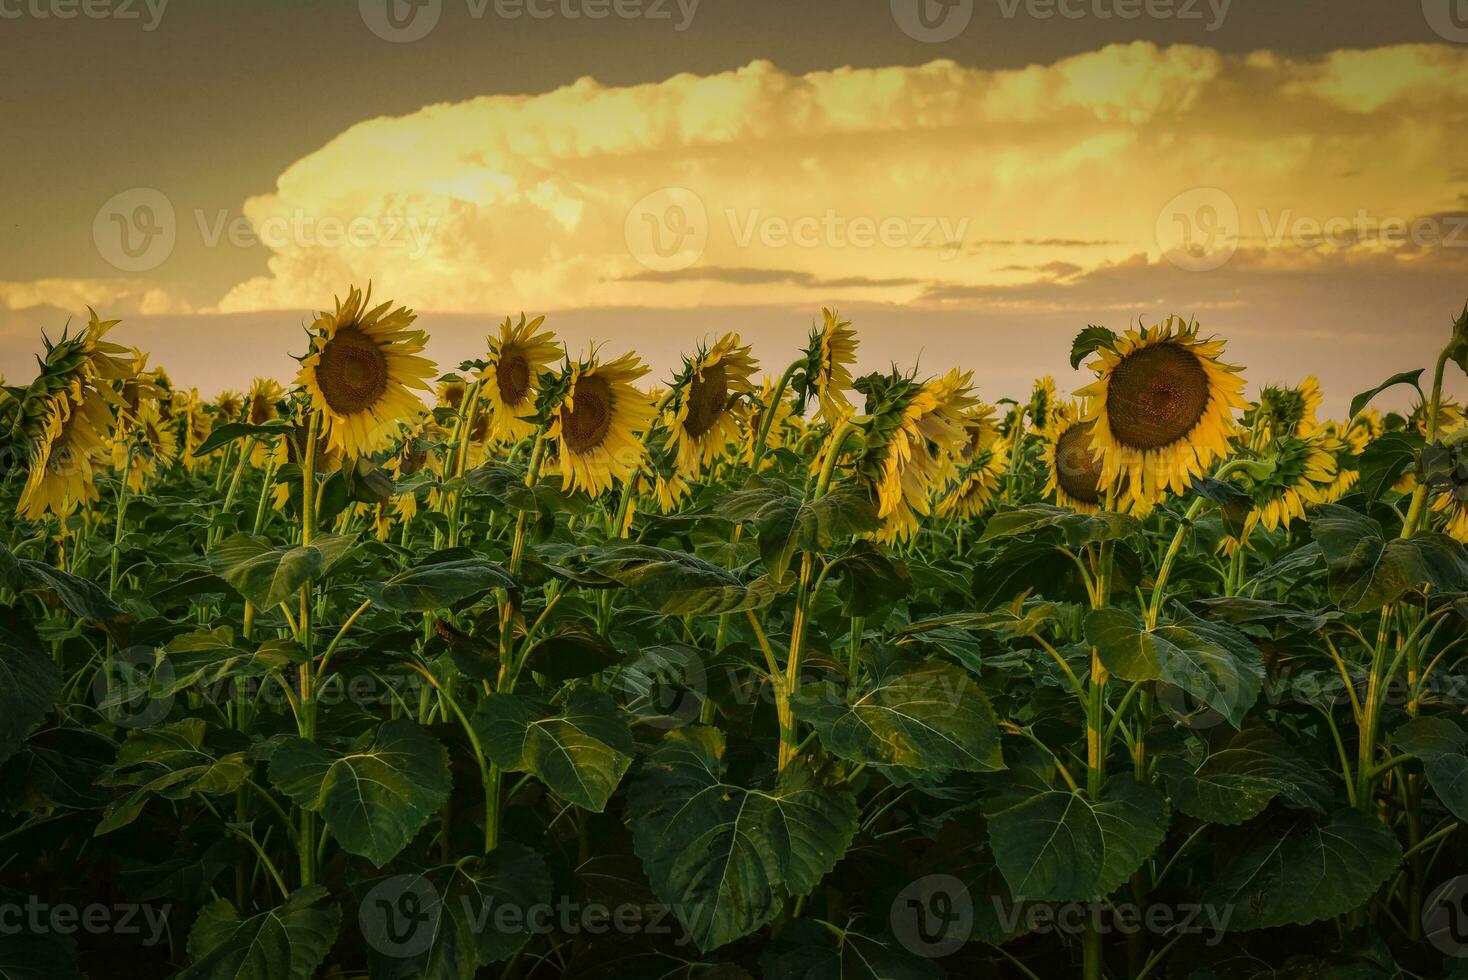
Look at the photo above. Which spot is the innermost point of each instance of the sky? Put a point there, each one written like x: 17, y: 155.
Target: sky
x: 971, y: 182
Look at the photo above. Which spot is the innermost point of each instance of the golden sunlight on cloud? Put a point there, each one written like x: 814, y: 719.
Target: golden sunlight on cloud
x: 890, y: 185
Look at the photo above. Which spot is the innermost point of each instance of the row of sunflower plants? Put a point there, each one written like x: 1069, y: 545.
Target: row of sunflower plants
x: 803, y: 676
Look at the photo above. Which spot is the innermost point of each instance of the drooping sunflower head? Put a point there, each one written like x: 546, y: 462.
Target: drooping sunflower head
x: 1163, y: 408
x: 763, y: 402
x: 229, y: 405
x: 1072, y: 466
x: 362, y: 364
x: 511, y: 374
x: 145, y: 446
x: 978, y: 469
x: 264, y: 400
x: 64, y: 458
x: 1447, y: 479
x: 1305, y: 474
x: 1450, y: 418
x: 1042, y: 402
x: 451, y: 390
x: 1288, y: 411
x: 826, y: 373
x: 196, y: 424
x: 915, y: 432
x: 598, y: 424
x: 981, y: 430
x: 704, y: 407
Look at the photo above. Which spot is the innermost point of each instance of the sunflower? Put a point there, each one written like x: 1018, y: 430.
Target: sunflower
x: 598, y: 423
x: 451, y: 391
x: 1305, y: 474
x: 918, y: 428
x: 1453, y: 503
x: 1043, y: 401
x: 1072, y: 466
x: 362, y: 363
x: 512, y: 369
x: 65, y: 457
x: 977, y: 483
x: 1286, y: 411
x: 1450, y: 417
x: 197, y: 424
x: 229, y: 404
x: 145, y: 444
x: 704, y: 404
x: 758, y: 406
x: 1162, y: 408
x: 829, y: 356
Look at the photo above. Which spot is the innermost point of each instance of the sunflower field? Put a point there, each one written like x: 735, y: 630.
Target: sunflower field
x: 729, y: 674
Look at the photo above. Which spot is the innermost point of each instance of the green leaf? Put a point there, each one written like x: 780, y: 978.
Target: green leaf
x: 209, y: 658
x: 1213, y: 662
x: 1078, y: 529
x: 267, y: 575
x: 571, y: 653
x: 723, y: 856
x: 438, y: 582
x: 29, y: 680
x: 677, y: 583
x: 1028, y: 566
x: 789, y: 522
x: 1367, y: 571
x: 375, y: 799
x: 1237, y: 782
x: 923, y: 715
x: 231, y: 431
x: 1441, y: 746
x: 289, y: 942
x: 1090, y: 340
x: 172, y: 761
x: 867, y: 579
x: 1302, y: 877
x: 1412, y: 378
x: 84, y: 598
x: 1388, y: 457
x: 819, y: 951
x: 1062, y: 846
x: 580, y: 752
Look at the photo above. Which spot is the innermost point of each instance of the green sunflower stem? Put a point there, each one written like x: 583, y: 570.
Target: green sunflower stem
x: 766, y: 423
x: 1434, y: 407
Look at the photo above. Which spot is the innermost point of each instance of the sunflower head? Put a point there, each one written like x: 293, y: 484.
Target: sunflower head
x: 598, y: 424
x: 1162, y: 408
x: 1042, y: 402
x: 765, y: 401
x: 826, y: 372
x: 1304, y: 473
x: 705, y: 401
x: 512, y: 375
x: 361, y: 366
x: 451, y: 390
x: 264, y: 400
x: 1287, y: 411
x: 229, y: 405
x: 1072, y: 466
x: 64, y: 458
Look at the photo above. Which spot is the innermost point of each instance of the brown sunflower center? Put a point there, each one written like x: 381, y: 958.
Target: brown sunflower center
x: 261, y: 410
x: 352, y: 372
x: 708, y: 396
x: 1156, y: 396
x: 1077, y: 468
x: 512, y: 373
x: 585, y: 426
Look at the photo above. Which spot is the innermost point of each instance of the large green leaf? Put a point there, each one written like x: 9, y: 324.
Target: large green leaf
x: 1063, y: 846
x: 1078, y: 529
x: 1385, y: 460
x: 210, y: 658
x: 267, y: 575
x: 1315, y: 873
x: 1367, y: 570
x: 677, y: 583
x: 374, y: 799
x: 925, y: 715
x: 1441, y: 744
x: 286, y: 943
x: 438, y: 582
x: 788, y: 522
x: 571, y: 653
x: 231, y: 431
x: 1412, y: 378
x: 173, y: 761
x: 29, y: 680
x: 725, y: 857
x: 580, y: 751
x: 1089, y: 341
x: 84, y: 598
x: 1213, y: 662
x: 1237, y: 782
x: 821, y: 951
x: 446, y: 922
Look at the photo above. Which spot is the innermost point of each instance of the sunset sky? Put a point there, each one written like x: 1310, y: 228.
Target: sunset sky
x: 970, y: 183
